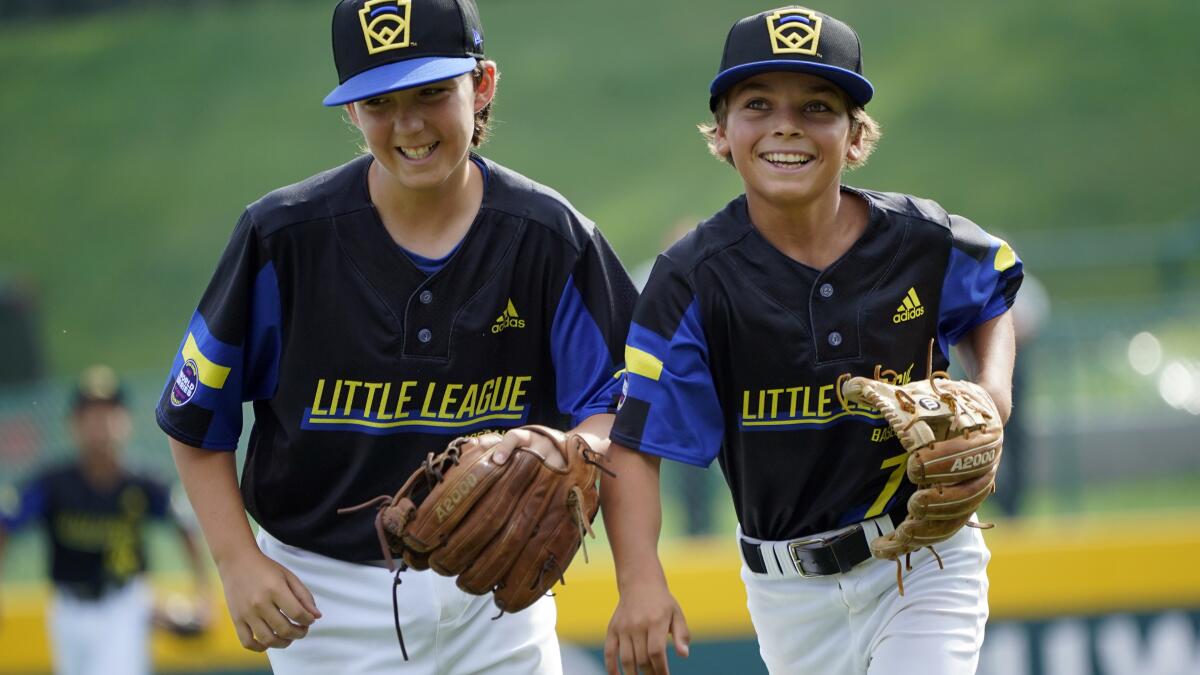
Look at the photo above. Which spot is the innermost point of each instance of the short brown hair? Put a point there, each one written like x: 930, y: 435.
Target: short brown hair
x: 483, y: 118
x: 860, y: 122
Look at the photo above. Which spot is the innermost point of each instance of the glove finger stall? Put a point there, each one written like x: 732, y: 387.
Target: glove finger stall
x: 956, y: 459
x: 481, y: 513
x: 501, y: 552
x: 951, y: 502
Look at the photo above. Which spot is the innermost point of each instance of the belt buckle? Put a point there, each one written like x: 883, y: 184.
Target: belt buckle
x: 794, y: 547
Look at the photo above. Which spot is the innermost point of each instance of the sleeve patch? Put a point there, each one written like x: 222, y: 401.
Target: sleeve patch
x: 211, y: 374
x: 642, y: 363
x: 1005, y: 257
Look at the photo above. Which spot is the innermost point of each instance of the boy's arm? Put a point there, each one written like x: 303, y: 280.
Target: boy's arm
x: 988, y: 354
x: 261, y: 594
x: 646, y: 612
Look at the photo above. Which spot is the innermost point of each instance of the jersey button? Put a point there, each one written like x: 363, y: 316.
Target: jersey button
x: 426, y: 297
x: 425, y: 335
x: 826, y: 290
x: 835, y: 338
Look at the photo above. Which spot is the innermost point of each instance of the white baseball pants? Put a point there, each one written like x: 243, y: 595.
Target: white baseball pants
x: 446, y: 631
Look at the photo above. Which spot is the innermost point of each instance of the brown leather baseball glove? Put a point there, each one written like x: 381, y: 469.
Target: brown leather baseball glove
x: 953, y: 434
x: 510, y: 529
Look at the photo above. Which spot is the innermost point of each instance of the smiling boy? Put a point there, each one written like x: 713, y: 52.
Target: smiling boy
x: 737, y: 344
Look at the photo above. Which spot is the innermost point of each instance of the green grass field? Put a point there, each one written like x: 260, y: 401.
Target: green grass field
x: 132, y: 140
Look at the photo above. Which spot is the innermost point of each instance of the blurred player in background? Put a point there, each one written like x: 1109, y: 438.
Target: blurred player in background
x: 739, y: 339
x: 95, y: 511
x: 373, y: 313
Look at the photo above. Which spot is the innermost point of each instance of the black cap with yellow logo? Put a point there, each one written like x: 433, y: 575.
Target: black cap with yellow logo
x: 97, y: 384
x: 796, y: 39
x: 386, y: 45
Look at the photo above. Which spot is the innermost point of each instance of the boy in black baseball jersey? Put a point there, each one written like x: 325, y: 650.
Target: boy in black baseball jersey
x: 372, y: 313
x: 95, y: 512
x: 735, y: 351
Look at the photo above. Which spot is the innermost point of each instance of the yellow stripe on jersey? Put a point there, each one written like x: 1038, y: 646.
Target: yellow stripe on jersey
x: 211, y: 375
x: 642, y: 363
x: 1005, y: 257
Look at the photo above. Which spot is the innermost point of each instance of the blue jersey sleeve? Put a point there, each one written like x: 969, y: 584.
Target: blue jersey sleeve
x: 588, y: 332
x: 670, y: 407
x: 230, y: 352
x: 981, y: 282
x: 19, y: 507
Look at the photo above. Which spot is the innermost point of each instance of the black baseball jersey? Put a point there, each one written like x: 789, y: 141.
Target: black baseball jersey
x: 95, y: 536
x: 735, y: 351
x: 361, y: 359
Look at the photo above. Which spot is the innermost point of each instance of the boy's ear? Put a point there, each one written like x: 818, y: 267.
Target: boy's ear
x: 854, y: 151
x: 485, y: 88
x: 353, y: 115
x: 720, y: 142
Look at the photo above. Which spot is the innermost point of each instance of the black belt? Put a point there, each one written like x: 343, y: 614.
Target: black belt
x: 816, y: 557
x: 89, y: 591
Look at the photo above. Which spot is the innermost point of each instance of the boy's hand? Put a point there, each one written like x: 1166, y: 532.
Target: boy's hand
x: 269, y: 605
x: 637, y: 633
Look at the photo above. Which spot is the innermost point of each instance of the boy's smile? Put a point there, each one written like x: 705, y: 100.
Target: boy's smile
x: 789, y: 135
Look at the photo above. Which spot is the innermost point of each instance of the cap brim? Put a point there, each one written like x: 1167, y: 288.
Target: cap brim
x: 857, y: 86
x: 399, y: 75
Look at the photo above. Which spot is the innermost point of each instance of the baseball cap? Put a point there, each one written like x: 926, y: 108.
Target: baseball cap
x: 97, y: 384
x: 386, y: 45
x: 796, y: 39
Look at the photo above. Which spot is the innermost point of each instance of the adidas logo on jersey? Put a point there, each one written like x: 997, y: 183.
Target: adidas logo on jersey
x: 910, y: 309
x: 508, y: 319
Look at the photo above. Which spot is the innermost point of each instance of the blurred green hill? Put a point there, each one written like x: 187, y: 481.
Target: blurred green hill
x: 131, y: 141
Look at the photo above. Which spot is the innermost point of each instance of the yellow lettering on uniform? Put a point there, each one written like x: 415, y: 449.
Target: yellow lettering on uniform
x: 826, y: 397
x: 425, y: 411
x: 485, y: 397
x: 518, y: 392
x: 337, y: 393
x: 387, y: 388
x: 791, y: 407
x: 403, y: 398
x: 806, y: 408
x: 774, y: 402
x: 467, y: 408
x: 370, y: 387
x: 351, y: 385
x: 762, y: 403
x: 498, y: 402
x: 316, y: 406
x: 447, y: 399
x: 746, y: 406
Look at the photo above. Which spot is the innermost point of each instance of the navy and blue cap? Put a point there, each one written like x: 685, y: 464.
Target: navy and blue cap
x: 97, y: 384
x: 387, y: 45
x: 794, y: 39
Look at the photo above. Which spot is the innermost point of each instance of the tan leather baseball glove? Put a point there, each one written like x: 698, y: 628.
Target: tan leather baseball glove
x: 953, y: 434
x: 510, y: 529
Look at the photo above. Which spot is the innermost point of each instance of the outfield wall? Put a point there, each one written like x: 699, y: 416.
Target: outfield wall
x: 1094, y: 597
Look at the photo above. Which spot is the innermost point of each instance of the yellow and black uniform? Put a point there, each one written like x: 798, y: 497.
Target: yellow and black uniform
x: 361, y: 357
x: 735, y: 350
x: 94, y: 535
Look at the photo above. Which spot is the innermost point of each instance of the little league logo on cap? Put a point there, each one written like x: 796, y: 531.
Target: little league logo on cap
x: 794, y: 39
x: 385, y: 24
x: 381, y: 46
x: 794, y: 31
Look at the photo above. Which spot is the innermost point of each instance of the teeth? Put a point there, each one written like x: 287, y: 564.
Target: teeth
x: 419, y: 152
x: 787, y: 158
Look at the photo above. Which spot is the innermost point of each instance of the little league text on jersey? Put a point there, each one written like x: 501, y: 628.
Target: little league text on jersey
x: 805, y: 405
x: 386, y: 407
